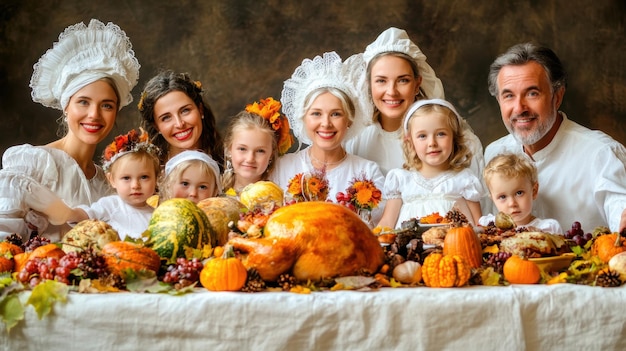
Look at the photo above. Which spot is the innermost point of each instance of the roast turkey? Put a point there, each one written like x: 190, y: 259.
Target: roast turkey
x: 312, y: 240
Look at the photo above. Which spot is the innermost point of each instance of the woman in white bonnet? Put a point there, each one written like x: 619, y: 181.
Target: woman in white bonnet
x: 396, y: 74
x: 88, y: 75
x: 324, y: 111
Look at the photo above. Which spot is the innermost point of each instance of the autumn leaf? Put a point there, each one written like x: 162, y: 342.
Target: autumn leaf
x: 11, y: 311
x: 45, y: 294
x: 490, y: 277
x: 144, y: 281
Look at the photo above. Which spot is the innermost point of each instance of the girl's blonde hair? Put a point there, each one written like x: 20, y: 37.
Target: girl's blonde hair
x: 510, y: 166
x: 140, y: 155
x: 176, y: 174
x: 245, y: 120
x: 460, y: 157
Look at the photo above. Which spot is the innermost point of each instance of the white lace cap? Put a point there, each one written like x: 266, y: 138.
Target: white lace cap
x: 326, y: 71
x: 397, y: 40
x: 188, y: 155
x: 421, y: 103
x: 83, y: 55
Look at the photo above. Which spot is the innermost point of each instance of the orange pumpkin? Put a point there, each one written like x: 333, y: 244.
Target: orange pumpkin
x: 6, y: 264
x: 608, y: 245
x: 518, y: 270
x: 224, y: 273
x: 464, y: 242
x: 122, y: 255
x: 440, y: 271
x: 6, y: 247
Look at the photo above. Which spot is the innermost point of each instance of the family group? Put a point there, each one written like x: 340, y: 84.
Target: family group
x: 380, y: 115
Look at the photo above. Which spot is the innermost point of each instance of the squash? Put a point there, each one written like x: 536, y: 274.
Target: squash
x: 226, y: 273
x: 464, y: 242
x: 607, y: 246
x: 441, y: 271
x: 261, y: 192
x: 408, y: 272
x: 122, y: 255
x: 44, y: 251
x: 90, y: 233
x: 519, y: 270
x: 177, y: 224
x: 220, y: 211
x: 7, y: 248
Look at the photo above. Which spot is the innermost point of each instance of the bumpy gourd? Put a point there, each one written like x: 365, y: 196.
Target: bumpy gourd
x: 256, y: 194
x: 440, y: 271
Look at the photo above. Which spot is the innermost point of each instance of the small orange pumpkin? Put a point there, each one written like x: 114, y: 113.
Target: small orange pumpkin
x: 44, y: 251
x: 441, y: 271
x: 6, y: 247
x: 6, y: 264
x: 518, y: 270
x: 122, y: 255
x: 607, y: 246
x: 464, y: 242
x: 226, y: 273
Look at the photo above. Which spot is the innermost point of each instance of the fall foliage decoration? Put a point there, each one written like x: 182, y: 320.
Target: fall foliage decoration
x: 269, y: 110
x: 308, y: 186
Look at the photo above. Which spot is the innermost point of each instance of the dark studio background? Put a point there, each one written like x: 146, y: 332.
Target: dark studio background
x: 243, y: 50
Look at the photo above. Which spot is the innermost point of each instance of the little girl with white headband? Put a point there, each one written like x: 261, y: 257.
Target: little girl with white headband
x: 192, y: 175
x: 436, y: 176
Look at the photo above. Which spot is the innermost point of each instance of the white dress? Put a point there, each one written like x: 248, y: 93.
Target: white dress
x: 385, y: 148
x: 582, y: 176
x: 53, y: 169
x: 546, y: 225
x: 127, y: 220
x: 339, y: 178
x: 421, y: 196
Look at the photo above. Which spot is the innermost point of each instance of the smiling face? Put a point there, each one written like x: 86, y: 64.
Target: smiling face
x: 393, y: 88
x: 513, y: 196
x: 251, y: 151
x: 179, y: 120
x: 326, y: 122
x: 528, y: 104
x: 196, y: 183
x: 134, y: 179
x: 433, y: 140
x: 91, y: 112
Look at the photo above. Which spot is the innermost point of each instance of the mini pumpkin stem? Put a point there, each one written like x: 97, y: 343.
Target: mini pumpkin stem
x: 229, y: 251
x: 618, y: 241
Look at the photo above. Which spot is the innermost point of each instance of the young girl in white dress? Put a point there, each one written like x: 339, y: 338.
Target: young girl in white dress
x: 256, y: 137
x: 435, y: 177
x: 132, y: 168
x: 324, y: 111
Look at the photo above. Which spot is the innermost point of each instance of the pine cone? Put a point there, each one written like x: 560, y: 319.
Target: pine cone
x: 608, y: 278
x: 456, y: 217
x: 254, y: 283
x: 286, y: 281
x: 15, y: 239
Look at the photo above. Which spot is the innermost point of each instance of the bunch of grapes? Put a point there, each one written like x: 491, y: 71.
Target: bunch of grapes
x: 497, y: 260
x: 68, y: 269
x: 344, y: 199
x: 91, y: 264
x: 35, y: 242
x: 578, y: 235
x: 183, y: 273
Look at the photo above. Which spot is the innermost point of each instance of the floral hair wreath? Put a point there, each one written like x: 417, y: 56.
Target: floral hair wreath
x: 127, y: 143
x: 269, y: 109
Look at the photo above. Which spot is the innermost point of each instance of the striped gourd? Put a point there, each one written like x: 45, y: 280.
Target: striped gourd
x: 177, y: 224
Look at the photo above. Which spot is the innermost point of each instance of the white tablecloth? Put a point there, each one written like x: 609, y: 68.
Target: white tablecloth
x: 533, y: 317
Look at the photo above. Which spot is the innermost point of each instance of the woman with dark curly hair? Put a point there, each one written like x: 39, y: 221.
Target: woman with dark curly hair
x: 177, y: 118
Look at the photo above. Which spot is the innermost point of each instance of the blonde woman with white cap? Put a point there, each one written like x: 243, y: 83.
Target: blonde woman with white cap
x: 192, y: 175
x: 395, y: 73
x: 324, y: 111
x: 88, y: 75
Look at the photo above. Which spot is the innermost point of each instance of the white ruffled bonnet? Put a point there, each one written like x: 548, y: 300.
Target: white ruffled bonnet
x: 83, y: 55
x: 326, y: 71
x: 417, y: 104
x: 188, y: 155
x: 397, y: 40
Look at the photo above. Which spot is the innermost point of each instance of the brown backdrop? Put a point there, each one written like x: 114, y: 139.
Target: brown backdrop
x: 243, y: 50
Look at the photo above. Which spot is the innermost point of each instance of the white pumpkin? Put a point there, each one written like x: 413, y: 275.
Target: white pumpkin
x: 618, y: 263
x: 408, y: 272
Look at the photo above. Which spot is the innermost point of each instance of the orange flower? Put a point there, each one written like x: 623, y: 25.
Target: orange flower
x: 294, y: 187
x: 363, y: 194
x: 269, y: 109
x: 309, y: 187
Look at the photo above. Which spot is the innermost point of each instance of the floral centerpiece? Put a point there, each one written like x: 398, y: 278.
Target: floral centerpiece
x: 308, y: 187
x: 362, y: 196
